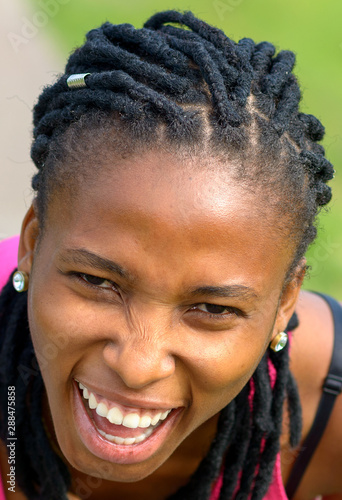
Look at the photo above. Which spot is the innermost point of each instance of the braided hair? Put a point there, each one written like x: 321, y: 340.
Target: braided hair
x: 180, y: 83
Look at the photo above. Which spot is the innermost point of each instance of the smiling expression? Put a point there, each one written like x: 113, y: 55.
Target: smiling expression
x: 158, y: 289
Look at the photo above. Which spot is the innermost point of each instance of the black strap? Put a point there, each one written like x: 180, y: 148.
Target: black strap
x: 332, y: 387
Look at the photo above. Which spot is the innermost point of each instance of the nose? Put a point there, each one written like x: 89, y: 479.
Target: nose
x: 141, y: 355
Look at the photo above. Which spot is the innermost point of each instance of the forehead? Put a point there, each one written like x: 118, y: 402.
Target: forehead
x: 174, y: 208
x: 158, y: 187
x: 158, y: 180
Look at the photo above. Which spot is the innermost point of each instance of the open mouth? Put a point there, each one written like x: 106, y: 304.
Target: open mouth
x: 120, y: 425
x: 120, y: 433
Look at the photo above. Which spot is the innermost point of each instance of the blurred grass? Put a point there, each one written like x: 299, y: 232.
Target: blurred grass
x: 312, y: 29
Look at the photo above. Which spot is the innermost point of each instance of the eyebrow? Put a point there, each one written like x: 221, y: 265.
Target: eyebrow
x: 82, y: 256
x: 237, y: 291
x: 85, y: 257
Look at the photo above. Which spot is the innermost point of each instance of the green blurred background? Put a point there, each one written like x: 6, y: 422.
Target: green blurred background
x: 312, y: 29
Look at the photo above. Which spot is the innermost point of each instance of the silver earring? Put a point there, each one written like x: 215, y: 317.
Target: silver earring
x: 20, y: 281
x: 279, y: 342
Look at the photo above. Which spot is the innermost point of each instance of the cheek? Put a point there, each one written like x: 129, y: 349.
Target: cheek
x: 221, y: 368
x: 55, y: 326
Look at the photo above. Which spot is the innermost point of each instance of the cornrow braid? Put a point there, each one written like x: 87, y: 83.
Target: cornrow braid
x: 195, y: 88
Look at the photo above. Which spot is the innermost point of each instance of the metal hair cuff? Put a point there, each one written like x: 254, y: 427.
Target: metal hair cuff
x: 77, y: 81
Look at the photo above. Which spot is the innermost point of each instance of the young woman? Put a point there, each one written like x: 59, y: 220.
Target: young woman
x: 143, y: 336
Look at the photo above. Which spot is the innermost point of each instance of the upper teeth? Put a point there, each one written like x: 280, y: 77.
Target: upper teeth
x: 115, y: 415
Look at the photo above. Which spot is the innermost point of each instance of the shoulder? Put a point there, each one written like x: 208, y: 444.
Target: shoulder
x: 312, y: 343
x: 311, y: 351
x: 8, y: 258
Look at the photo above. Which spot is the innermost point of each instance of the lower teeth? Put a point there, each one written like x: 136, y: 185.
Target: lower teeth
x: 127, y: 441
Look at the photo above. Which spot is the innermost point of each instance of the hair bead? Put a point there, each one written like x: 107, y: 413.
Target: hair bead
x: 77, y: 81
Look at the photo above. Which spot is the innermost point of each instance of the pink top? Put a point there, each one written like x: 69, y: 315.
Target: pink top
x: 8, y: 260
x: 276, y: 490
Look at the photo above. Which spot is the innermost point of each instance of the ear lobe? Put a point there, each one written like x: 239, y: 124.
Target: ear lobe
x: 28, y: 240
x: 289, y: 298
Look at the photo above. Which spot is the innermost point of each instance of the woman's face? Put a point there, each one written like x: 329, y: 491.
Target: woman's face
x: 157, y: 285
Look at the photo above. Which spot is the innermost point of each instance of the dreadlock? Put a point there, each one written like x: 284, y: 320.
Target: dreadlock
x: 188, y: 86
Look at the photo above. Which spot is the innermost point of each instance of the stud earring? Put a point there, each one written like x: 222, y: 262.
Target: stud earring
x: 20, y: 281
x: 279, y: 342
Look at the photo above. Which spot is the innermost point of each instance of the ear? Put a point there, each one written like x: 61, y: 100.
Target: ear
x: 28, y: 240
x: 288, y: 299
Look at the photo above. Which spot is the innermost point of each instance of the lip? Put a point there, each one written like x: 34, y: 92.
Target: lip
x: 112, y: 452
x: 146, y: 404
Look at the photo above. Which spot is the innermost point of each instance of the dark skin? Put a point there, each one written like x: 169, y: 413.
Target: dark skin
x: 175, y: 229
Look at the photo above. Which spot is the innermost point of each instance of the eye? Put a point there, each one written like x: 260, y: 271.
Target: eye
x: 97, y: 281
x: 215, y: 309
